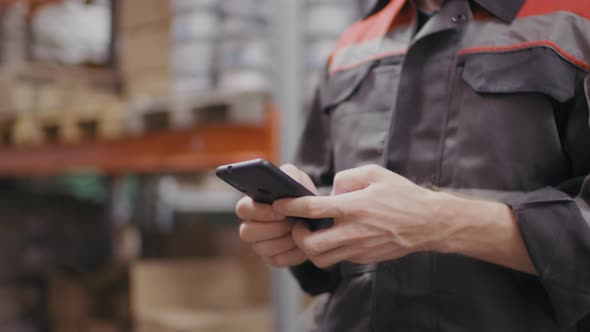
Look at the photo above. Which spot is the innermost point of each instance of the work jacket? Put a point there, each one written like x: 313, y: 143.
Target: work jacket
x: 488, y: 99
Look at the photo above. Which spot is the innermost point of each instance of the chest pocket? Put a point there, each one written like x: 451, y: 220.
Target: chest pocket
x: 359, y: 104
x: 503, y: 121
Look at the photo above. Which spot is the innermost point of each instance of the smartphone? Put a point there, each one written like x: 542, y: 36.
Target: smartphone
x: 264, y: 183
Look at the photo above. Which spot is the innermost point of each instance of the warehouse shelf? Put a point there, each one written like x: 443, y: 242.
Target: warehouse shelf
x: 189, y: 150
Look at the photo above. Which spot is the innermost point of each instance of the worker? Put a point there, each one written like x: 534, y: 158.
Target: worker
x: 455, y: 139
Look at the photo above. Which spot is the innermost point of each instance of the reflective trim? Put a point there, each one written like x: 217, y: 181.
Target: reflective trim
x: 394, y: 43
x: 564, y: 32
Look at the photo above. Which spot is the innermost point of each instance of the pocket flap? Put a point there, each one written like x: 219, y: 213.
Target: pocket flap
x: 539, y: 70
x: 342, y: 85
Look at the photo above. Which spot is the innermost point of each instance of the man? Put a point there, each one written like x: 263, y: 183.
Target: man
x: 486, y: 102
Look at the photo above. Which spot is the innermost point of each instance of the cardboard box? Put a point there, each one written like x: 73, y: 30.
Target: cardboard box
x: 245, y: 320
x: 203, y: 284
x: 136, y: 13
x: 145, y: 48
x: 149, y: 83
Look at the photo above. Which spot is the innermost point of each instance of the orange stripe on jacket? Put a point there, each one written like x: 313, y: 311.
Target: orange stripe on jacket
x: 543, y: 7
x: 537, y: 43
x: 375, y: 26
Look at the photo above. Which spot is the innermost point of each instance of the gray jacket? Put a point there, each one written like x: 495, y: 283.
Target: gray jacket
x: 489, y: 99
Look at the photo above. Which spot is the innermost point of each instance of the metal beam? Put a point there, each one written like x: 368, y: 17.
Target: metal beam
x: 287, y: 17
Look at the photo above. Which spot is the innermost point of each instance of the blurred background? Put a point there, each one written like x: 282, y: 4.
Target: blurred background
x: 113, y: 114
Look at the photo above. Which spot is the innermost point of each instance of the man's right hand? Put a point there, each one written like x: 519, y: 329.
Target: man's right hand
x: 270, y: 233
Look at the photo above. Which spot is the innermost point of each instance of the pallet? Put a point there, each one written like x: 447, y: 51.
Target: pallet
x: 45, y: 104
x: 154, y: 114
x: 7, y: 125
x: 19, y: 131
x: 27, y: 129
x: 105, y: 122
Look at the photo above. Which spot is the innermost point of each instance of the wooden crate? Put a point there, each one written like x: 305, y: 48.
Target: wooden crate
x: 152, y: 114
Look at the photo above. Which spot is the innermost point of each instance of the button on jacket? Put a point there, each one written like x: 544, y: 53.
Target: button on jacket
x: 488, y: 99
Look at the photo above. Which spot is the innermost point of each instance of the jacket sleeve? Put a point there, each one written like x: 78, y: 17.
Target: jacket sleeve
x: 314, y: 157
x: 555, y: 221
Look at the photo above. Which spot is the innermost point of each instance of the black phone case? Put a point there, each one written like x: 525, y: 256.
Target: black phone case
x: 264, y: 183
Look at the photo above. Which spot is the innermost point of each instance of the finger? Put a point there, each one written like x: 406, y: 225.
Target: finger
x: 356, y: 178
x: 334, y: 257
x: 300, y: 177
x: 253, y: 231
x: 322, y: 241
x: 274, y: 247
x: 248, y: 209
x: 267, y: 260
x: 290, y: 258
x: 300, y: 233
x: 315, y: 207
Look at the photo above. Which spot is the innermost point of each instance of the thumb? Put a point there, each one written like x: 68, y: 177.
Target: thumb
x: 356, y: 179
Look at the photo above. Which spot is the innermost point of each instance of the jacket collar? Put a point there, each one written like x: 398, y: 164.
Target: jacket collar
x: 506, y: 10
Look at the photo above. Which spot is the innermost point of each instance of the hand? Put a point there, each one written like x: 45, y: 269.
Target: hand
x: 269, y: 232
x: 378, y: 216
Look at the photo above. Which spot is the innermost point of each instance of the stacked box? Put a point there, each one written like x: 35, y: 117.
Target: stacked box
x: 70, y: 32
x: 168, y: 48
x: 195, y: 36
x: 245, y: 64
x: 143, y: 47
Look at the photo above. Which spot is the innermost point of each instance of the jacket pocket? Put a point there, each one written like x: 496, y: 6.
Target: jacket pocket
x: 504, y: 124
x: 359, y: 104
x: 535, y: 70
